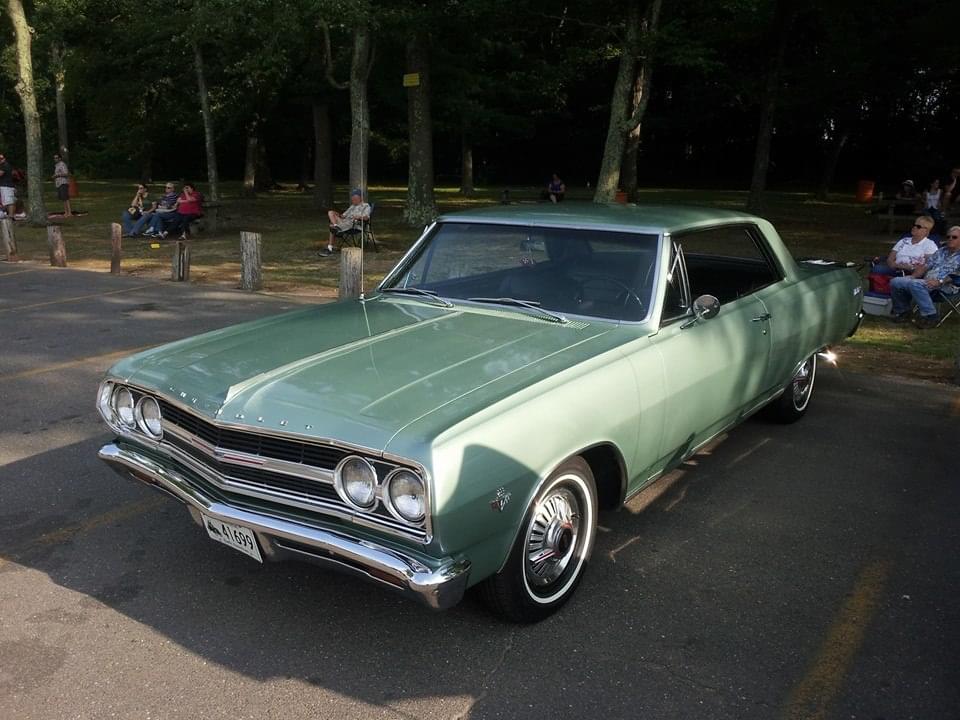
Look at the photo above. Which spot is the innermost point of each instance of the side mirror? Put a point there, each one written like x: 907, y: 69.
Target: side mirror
x: 706, y: 307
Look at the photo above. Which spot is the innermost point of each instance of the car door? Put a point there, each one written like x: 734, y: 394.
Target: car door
x: 715, y: 369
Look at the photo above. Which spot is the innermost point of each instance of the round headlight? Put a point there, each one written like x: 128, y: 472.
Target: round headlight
x: 356, y: 481
x: 406, y: 495
x: 148, y: 417
x: 123, y: 407
x: 103, y: 402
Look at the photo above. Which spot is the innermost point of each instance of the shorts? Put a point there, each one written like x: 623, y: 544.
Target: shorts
x: 63, y: 192
x: 8, y: 196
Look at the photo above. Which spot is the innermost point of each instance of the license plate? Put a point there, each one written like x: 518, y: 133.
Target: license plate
x: 236, y: 536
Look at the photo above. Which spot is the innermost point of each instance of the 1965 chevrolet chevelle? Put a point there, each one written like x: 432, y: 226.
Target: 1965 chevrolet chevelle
x: 519, y: 370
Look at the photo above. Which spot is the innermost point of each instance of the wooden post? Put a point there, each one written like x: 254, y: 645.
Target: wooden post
x: 351, y: 259
x: 251, y: 270
x: 180, y: 269
x: 58, y: 252
x: 8, y: 239
x: 116, y: 235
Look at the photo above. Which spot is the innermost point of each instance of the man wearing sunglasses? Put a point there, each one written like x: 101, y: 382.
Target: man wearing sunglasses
x: 938, y: 273
x: 911, y: 250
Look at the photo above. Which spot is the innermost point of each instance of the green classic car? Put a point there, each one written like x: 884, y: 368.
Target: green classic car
x: 522, y: 368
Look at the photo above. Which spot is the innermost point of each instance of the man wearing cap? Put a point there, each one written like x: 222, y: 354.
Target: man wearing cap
x: 347, y: 220
x: 8, y: 195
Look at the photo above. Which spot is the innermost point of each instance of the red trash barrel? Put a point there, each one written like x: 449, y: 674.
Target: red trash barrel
x: 620, y: 197
x: 73, y: 190
x: 865, y: 190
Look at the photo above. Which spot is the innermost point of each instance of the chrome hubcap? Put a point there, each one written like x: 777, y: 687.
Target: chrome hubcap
x: 802, y: 384
x: 552, y: 537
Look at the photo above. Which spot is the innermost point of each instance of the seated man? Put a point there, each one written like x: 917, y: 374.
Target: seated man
x: 910, y: 251
x: 934, y: 275
x: 556, y: 189
x: 347, y: 220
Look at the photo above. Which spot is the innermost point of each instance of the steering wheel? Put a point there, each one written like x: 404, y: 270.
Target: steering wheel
x: 627, y: 293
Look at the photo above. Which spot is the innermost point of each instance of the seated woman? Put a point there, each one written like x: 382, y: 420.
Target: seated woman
x: 138, y: 208
x: 189, y: 207
x: 556, y: 189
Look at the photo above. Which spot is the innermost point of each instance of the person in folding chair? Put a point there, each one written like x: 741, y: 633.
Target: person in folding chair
x: 935, y: 281
x: 346, y: 221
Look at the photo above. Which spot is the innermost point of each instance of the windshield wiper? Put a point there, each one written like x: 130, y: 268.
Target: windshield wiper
x: 528, y: 304
x: 419, y: 292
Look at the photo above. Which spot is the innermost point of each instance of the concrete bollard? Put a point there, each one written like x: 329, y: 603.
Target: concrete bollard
x: 116, y: 241
x: 8, y: 239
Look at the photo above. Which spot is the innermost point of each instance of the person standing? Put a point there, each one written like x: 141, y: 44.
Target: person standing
x: 8, y: 194
x: 61, y: 180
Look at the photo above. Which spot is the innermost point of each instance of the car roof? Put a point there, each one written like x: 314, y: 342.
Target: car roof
x: 612, y: 216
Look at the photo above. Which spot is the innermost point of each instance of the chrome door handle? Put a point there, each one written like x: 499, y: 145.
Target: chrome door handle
x: 761, y: 318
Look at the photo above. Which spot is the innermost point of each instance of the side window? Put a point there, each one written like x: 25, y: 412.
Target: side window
x: 729, y: 262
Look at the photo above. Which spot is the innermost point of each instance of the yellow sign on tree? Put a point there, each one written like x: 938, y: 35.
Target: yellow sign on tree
x: 411, y: 80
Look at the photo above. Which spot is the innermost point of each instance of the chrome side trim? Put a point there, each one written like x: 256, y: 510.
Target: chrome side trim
x: 437, y: 588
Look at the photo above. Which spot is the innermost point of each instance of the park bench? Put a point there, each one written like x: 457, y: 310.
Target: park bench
x: 893, y: 212
x: 209, y: 221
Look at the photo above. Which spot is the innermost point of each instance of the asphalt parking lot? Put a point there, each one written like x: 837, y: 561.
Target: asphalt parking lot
x: 806, y: 571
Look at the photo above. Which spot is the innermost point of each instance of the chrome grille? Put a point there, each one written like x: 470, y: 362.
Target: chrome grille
x: 303, y: 477
x: 251, y: 443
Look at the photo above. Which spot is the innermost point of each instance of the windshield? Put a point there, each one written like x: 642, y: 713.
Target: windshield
x: 582, y: 272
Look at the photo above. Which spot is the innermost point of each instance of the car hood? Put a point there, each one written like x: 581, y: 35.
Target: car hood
x: 357, y: 371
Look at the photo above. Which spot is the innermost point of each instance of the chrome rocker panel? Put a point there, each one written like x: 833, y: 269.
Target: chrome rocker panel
x: 282, y: 539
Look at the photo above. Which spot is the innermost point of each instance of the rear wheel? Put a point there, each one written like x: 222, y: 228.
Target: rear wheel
x: 550, y: 554
x: 793, y: 402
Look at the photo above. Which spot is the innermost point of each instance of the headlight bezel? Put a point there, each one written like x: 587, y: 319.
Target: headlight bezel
x: 115, y: 399
x: 105, y: 403
x: 142, y: 421
x: 339, y: 485
x: 390, y: 503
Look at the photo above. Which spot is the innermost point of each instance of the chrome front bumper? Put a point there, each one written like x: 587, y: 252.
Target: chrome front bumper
x: 280, y: 539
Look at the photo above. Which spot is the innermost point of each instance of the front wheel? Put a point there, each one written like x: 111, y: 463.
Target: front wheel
x: 793, y: 402
x: 551, y: 551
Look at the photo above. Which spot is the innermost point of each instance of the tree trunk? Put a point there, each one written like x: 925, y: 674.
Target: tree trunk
x: 783, y: 18
x: 305, y: 163
x: 628, y: 168
x: 59, y: 82
x: 213, y: 177
x: 621, y: 123
x: 322, y: 156
x: 833, y: 159
x: 421, y: 207
x: 250, y: 162
x: 264, y: 178
x: 37, y: 212
x: 466, y: 161
x: 146, y: 162
x: 359, y: 109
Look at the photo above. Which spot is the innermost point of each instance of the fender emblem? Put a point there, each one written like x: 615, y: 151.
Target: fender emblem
x: 500, y: 501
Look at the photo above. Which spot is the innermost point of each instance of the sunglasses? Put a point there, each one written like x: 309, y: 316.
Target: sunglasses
x: 920, y: 227
x: 954, y: 237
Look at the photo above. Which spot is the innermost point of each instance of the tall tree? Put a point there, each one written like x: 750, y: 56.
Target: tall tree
x: 37, y: 211
x: 57, y: 57
x: 360, y: 67
x: 637, y: 47
x: 421, y: 207
x: 784, y: 14
x: 209, y: 136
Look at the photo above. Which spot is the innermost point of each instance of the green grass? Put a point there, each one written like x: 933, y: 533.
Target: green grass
x: 293, y: 229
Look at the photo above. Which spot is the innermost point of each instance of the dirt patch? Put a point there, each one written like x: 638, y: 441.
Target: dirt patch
x: 881, y: 362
